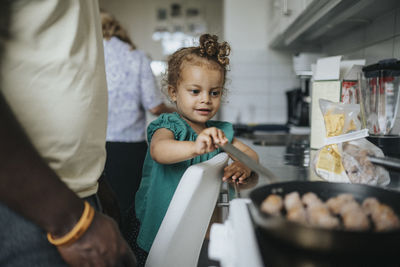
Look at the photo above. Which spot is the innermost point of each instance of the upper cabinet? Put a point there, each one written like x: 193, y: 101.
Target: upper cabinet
x: 283, y: 14
x: 303, y: 25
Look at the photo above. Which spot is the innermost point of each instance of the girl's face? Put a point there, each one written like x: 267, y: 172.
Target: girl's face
x: 198, y: 94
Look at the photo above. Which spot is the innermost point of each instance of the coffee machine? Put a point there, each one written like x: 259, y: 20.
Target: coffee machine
x: 298, y: 104
x: 379, y: 86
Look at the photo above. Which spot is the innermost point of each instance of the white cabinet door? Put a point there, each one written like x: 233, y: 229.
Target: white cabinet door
x: 283, y: 13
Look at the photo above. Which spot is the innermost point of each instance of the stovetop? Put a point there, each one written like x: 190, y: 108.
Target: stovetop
x: 240, y: 242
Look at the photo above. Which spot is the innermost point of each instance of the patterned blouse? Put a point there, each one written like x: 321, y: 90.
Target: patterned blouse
x: 132, y: 90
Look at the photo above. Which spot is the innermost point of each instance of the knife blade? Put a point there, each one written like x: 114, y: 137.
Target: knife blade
x: 249, y: 162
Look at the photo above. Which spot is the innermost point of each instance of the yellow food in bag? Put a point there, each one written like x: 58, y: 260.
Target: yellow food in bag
x: 329, y: 159
x: 334, y: 124
x: 344, y: 158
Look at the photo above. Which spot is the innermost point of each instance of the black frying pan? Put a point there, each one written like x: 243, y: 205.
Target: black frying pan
x: 313, y: 238
x: 326, y: 240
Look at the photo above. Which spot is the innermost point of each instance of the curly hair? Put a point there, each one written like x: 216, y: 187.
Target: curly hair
x: 209, y: 48
x: 111, y: 27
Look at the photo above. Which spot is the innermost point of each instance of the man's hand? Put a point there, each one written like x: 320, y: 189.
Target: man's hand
x: 102, y: 245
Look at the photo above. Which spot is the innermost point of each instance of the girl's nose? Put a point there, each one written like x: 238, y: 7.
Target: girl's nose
x: 205, y: 97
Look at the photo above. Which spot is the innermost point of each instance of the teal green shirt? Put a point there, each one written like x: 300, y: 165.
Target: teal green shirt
x: 159, y: 181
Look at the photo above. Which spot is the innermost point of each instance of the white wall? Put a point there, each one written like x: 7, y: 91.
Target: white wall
x: 136, y: 17
x: 139, y: 18
x: 259, y: 76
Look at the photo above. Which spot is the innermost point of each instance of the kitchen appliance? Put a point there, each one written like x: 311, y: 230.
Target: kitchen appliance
x: 298, y: 104
x: 379, y: 100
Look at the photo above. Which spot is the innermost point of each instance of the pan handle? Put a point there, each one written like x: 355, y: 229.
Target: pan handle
x: 388, y: 162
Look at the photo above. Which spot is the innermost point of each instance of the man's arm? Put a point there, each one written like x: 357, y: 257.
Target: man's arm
x: 28, y: 185
x: 31, y: 188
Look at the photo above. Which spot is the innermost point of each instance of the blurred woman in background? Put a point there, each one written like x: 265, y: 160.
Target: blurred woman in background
x: 132, y: 90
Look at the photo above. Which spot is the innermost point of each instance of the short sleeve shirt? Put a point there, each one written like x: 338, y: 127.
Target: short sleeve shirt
x: 159, y: 181
x: 132, y: 90
x: 53, y: 78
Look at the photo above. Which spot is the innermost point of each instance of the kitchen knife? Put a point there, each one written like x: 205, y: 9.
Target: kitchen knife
x: 249, y: 162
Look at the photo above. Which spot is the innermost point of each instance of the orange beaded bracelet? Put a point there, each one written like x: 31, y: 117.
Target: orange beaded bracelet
x: 78, y: 230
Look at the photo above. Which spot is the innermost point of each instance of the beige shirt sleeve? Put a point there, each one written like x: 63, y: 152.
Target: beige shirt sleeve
x: 54, y: 80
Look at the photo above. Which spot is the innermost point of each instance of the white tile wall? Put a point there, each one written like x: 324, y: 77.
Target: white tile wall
x: 259, y: 76
x: 256, y: 91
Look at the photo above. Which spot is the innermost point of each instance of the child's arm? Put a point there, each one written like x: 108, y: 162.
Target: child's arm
x: 238, y: 170
x: 164, y: 149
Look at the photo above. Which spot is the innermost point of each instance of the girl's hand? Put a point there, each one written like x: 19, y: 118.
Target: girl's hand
x: 236, y: 170
x: 209, y: 139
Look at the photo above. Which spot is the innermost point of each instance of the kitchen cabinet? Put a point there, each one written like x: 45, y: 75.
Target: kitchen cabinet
x: 284, y: 13
x: 306, y: 25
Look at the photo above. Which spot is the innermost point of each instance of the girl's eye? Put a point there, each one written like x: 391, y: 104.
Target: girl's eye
x: 215, y: 93
x: 195, y: 91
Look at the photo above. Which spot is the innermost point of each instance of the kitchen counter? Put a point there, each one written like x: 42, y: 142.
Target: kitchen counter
x: 289, y: 161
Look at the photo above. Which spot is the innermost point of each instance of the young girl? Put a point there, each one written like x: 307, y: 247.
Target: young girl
x: 196, y: 78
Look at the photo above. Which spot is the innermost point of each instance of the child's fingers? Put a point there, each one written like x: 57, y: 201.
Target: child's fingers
x: 209, y: 143
x: 243, y: 177
x: 212, y: 137
x: 222, y: 138
x: 236, y: 170
x: 214, y: 132
x: 217, y: 135
x: 204, y: 144
x: 243, y: 181
x: 218, y: 138
x: 237, y: 175
x: 227, y: 174
x: 231, y: 172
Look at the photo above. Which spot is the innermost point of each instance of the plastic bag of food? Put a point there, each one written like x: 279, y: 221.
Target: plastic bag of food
x: 344, y: 156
